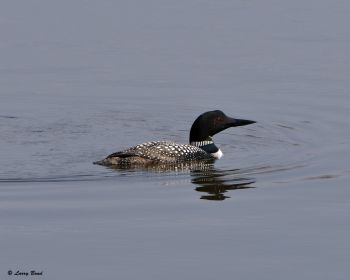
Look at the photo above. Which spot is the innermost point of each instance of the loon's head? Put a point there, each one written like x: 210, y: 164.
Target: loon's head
x: 207, y: 125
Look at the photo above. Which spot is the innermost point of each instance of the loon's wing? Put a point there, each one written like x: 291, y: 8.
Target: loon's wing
x: 163, y: 151
x: 141, y: 150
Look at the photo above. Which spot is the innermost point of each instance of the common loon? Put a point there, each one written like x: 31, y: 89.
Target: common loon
x: 201, y: 147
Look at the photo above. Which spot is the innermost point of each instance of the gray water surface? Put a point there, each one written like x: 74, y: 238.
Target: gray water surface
x: 82, y: 79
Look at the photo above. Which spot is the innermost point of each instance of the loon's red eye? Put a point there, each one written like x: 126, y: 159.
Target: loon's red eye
x: 218, y: 120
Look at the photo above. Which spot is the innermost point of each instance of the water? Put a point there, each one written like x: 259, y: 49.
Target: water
x: 80, y: 80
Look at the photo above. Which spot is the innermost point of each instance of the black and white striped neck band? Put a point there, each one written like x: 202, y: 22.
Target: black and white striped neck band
x: 201, y: 143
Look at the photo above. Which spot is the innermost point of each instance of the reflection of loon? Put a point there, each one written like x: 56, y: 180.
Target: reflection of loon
x: 217, y: 182
x: 212, y: 181
x: 201, y: 147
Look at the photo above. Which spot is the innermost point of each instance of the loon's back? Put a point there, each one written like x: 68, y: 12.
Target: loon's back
x: 156, y: 152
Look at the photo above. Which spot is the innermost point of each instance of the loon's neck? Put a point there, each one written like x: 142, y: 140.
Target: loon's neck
x: 209, y: 146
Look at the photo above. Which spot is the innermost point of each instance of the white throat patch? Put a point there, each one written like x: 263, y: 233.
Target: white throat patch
x: 218, y: 154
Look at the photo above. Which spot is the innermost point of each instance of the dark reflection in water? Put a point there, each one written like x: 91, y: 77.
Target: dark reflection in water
x: 208, y: 179
x: 217, y: 182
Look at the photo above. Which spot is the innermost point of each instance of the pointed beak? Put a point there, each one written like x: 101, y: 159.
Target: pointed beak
x: 238, y: 122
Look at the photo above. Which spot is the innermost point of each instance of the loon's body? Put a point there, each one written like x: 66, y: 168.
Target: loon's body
x: 201, y: 147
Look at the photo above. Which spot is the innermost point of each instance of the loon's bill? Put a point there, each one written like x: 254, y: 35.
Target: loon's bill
x: 201, y: 147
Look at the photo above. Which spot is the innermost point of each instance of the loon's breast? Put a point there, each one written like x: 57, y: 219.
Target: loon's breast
x: 156, y: 152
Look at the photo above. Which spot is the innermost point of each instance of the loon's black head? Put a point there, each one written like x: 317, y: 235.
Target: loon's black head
x: 211, y: 123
